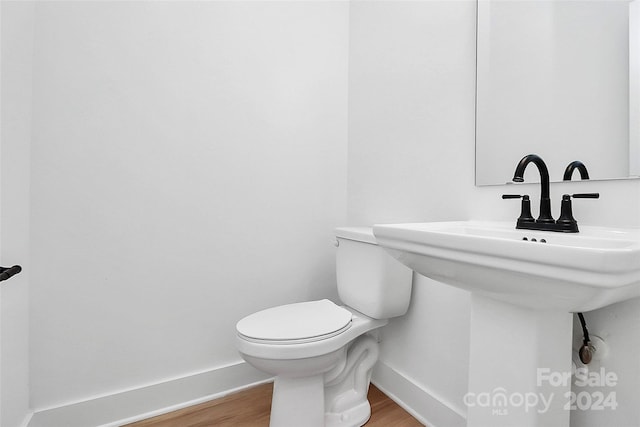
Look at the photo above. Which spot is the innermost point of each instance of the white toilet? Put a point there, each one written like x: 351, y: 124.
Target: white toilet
x: 322, y: 354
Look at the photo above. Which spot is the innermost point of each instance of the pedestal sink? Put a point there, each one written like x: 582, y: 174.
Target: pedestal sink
x: 525, y: 285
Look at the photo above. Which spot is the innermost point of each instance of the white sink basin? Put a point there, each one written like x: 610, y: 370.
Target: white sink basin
x: 570, y: 272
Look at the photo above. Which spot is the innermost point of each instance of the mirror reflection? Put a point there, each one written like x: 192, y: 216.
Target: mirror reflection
x: 558, y: 78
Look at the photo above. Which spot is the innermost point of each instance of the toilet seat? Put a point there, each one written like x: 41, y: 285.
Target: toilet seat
x: 298, y: 349
x: 295, y: 323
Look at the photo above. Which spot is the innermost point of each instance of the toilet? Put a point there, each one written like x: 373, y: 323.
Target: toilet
x: 320, y: 353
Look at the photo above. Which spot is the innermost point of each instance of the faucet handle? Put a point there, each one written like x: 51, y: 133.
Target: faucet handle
x: 525, y: 209
x: 586, y: 196
x: 567, y: 222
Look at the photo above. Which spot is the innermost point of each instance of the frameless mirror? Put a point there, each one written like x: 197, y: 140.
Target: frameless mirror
x: 558, y: 78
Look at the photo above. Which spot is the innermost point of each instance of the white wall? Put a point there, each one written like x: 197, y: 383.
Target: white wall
x: 179, y: 149
x: 16, y: 64
x: 188, y: 167
x: 411, y: 158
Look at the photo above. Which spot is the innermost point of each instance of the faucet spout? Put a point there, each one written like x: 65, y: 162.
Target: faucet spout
x: 545, y: 201
x: 577, y: 164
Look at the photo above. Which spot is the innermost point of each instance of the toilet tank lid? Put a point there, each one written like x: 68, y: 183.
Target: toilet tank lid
x: 359, y: 234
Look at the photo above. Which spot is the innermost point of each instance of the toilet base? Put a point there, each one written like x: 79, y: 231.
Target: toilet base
x: 298, y: 402
x: 346, y: 388
x: 314, y: 388
x: 353, y: 417
x: 335, y: 398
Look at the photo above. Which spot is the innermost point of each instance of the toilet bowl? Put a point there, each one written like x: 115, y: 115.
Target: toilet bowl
x: 320, y: 353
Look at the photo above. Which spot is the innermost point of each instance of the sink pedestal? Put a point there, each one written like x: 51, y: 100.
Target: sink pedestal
x: 520, y: 366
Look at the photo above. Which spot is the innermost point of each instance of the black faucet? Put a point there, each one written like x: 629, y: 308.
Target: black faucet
x: 566, y: 223
x: 576, y: 164
x: 545, y: 202
x: 566, y: 220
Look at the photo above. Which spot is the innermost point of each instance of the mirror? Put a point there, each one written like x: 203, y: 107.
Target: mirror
x: 558, y: 78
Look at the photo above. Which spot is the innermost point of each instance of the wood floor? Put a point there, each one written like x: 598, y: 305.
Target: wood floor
x: 251, y: 408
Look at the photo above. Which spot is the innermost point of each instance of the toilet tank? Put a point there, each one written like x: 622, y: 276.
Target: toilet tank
x: 369, y: 279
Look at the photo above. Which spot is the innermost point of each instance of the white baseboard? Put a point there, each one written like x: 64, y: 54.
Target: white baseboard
x: 423, y: 404
x: 128, y: 406
x: 134, y: 405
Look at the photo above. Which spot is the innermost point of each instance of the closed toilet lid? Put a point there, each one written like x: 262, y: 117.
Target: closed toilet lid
x: 305, y: 321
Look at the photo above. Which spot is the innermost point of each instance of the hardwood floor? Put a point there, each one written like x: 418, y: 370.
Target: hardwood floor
x: 387, y: 413
x: 251, y: 408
